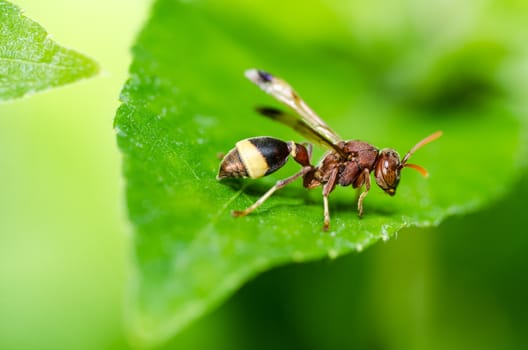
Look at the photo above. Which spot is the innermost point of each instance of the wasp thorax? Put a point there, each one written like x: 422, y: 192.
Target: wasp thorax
x: 387, y: 170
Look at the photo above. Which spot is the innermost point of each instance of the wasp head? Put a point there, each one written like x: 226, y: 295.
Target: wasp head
x: 387, y: 170
x: 389, y: 166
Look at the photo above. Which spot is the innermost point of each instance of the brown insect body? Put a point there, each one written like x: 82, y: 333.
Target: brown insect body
x: 359, y: 156
x: 347, y: 163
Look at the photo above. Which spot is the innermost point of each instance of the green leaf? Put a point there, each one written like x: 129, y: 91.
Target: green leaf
x: 187, y: 100
x: 30, y: 61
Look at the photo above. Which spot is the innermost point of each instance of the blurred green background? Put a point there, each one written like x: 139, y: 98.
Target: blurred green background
x: 62, y: 215
x: 63, y: 231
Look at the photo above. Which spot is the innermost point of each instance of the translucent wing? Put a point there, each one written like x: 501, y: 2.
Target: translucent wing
x: 306, y: 122
x: 298, y: 124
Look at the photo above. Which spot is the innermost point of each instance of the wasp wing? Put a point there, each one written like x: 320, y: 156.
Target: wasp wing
x: 306, y: 121
x: 299, y: 125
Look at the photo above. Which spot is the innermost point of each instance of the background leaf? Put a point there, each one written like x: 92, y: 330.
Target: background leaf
x: 61, y: 213
x: 30, y: 61
x: 187, y: 100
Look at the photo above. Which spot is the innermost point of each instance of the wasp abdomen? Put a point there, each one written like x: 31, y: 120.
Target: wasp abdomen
x: 232, y: 166
x: 254, y: 157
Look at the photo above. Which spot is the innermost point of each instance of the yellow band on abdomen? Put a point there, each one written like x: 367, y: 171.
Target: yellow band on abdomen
x: 253, y: 160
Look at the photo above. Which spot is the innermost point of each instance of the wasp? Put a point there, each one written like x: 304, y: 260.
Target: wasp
x: 347, y: 163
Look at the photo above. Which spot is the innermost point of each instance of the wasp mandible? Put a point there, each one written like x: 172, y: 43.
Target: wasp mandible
x: 346, y: 163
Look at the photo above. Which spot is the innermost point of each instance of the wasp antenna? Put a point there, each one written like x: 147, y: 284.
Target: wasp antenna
x: 420, y: 144
x: 420, y: 169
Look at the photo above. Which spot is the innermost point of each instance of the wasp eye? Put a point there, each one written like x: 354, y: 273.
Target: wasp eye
x: 388, y: 171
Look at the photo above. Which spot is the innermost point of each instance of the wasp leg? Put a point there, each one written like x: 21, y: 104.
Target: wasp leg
x: 366, y: 179
x: 327, y: 188
x: 280, y: 184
